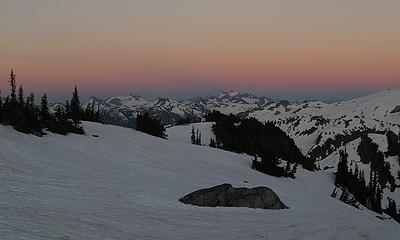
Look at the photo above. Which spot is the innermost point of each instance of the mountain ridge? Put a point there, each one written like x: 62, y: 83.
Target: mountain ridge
x: 125, y: 108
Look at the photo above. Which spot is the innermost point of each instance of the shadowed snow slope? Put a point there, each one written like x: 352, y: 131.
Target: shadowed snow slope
x: 126, y: 185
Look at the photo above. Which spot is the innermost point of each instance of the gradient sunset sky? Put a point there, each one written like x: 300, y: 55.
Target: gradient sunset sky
x: 278, y: 48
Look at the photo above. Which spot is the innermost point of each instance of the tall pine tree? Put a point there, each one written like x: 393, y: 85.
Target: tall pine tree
x: 13, y: 85
x: 213, y: 144
x: 21, y: 96
x: 193, y: 136
x: 44, y: 111
x: 75, y: 107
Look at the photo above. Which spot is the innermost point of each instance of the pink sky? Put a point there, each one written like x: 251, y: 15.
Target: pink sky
x: 128, y: 46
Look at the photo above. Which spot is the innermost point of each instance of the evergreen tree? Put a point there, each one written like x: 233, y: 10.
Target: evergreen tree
x: 369, y: 153
x: 59, y: 123
x: 97, y: 115
x: 44, y: 111
x: 26, y: 117
x: 248, y: 135
x: 378, y: 200
x: 67, y: 109
x: 75, y: 108
x: 342, y: 174
x: 88, y: 112
x: 147, y: 124
x: 59, y: 113
x: 21, y: 96
x: 14, y: 113
x: 74, y: 112
x: 13, y: 85
x: 31, y: 105
x: 354, y: 183
x: 391, y: 209
x: 7, y: 101
x: 393, y: 144
x: 213, y: 144
x: 91, y: 114
x: 193, y: 136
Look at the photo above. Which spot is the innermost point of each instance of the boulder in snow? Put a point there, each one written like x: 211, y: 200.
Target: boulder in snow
x: 227, y: 196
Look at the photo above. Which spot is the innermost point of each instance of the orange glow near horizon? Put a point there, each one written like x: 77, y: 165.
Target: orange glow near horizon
x: 122, y: 45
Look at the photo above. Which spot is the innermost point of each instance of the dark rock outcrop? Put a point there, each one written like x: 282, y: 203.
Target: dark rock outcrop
x: 227, y: 196
x: 396, y: 109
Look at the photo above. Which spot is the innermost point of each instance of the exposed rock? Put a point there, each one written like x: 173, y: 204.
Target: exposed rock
x: 396, y: 109
x: 227, y: 196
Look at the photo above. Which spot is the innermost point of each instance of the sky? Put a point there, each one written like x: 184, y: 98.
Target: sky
x: 278, y: 48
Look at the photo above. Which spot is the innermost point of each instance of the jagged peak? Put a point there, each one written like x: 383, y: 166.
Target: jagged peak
x: 230, y: 93
x: 135, y: 95
x: 94, y: 99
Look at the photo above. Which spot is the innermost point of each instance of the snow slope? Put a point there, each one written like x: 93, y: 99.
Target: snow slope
x: 125, y: 185
x: 182, y: 133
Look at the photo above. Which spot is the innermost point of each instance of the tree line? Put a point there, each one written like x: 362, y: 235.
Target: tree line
x: 261, y: 140
x: 25, y: 116
x: 148, y: 124
x: 369, y: 195
x: 195, y: 136
x: 353, y: 180
x: 369, y: 154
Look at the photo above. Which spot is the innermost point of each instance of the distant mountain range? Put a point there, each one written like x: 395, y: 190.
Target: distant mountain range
x: 376, y: 110
x: 318, y: 128
x: 122, y: 110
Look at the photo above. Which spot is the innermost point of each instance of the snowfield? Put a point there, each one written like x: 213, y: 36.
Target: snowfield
x: 125, y: 185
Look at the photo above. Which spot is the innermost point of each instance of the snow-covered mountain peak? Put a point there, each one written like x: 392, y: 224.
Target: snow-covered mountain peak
x: 125, y: 108
x: 385, y: 100
x: 136, y: 96
x: 230, y: 93
x: 384, y: 104
x: 94, y: 100
x: 127, y: 101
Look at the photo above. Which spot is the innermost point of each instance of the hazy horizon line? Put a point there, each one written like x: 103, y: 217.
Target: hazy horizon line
x: 300, y: 96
